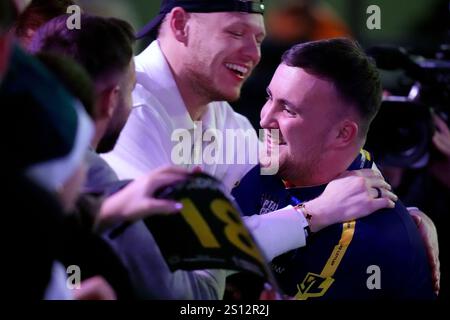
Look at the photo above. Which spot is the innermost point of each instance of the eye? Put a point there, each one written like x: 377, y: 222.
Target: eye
x: 289, y: 111
x: 259, y: 40
x: 236, y: 33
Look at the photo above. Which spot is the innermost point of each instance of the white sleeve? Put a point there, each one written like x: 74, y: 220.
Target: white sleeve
x: 279, y: 231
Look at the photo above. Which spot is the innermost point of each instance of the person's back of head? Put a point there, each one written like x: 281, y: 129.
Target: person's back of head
x: 73, y: 77
x: 352, y: 72
x: 8, y: 14
x: 37, y: 13
x: 103, y: 46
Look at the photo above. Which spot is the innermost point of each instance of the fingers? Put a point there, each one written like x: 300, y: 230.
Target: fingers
x: 428, y: 233
x: 170, y: 169
x: 162, y: 180
x: 416, y: 215
x: 162, y: 206
x: 180, y: 170
x: 95, y: 288
x: 370, y: 173
x: 442, y: 143
x: 197, y: 169
x: 441, y: 138
x: 435, y: 268
x: 366, y: 173
x: 374, y: 180
x: 382, y: 203
x: 384, y: 194
x: 154, y: 206
x: 437, y: 279
x: 378, y: 183
x: 441, y: 125
x: 417, y: 219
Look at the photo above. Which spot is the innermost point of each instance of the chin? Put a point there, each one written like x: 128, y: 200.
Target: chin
x: 231, y: 95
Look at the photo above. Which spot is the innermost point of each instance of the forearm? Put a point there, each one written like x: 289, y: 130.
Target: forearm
x: 151, y: 277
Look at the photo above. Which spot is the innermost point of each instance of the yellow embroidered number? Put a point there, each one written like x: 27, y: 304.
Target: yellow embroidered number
x: 234, y: 231
x: 198, y: 224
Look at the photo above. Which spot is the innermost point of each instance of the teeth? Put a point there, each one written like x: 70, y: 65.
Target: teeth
x: 232, y: 66
x: 275, y: 141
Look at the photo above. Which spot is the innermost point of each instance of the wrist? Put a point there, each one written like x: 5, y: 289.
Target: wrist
x: 314, y: 214
x: 110, y: 210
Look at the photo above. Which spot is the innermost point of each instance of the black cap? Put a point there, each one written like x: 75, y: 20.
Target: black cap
x: 200, y: 6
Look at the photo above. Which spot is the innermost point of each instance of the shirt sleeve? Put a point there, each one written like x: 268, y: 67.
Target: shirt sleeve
x: 150, y: 275
x: 278, y: 232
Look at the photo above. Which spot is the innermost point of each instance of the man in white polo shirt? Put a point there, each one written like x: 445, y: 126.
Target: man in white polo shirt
x: 203, y: 53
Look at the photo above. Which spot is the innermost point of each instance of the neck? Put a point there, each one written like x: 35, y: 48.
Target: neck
x: 331, y: 165
x: 196, y: 103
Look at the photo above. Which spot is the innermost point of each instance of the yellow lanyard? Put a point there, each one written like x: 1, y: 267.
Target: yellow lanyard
x: 316, y: 285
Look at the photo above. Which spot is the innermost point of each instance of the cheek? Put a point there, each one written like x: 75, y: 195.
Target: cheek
x: 289, y: 130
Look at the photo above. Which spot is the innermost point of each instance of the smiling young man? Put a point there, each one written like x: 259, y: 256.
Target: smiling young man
x: 322, y: 98
x: 204, y: 52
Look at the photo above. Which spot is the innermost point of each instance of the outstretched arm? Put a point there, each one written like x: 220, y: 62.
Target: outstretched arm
x: 429, y: 235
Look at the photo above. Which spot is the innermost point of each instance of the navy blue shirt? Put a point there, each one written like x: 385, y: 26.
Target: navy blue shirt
x: 381, y: 256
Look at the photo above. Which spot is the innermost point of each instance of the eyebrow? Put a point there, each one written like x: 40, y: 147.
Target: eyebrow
x: 289, y: 104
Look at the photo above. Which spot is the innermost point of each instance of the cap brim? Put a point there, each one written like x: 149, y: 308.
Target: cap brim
x: 151, y: 28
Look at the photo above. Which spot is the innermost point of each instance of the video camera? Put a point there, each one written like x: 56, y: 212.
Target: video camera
x: 401, y: 134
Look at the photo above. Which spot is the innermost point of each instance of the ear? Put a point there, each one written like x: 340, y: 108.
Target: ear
x: 107, y: 103
x: 346, y: 133
x: 178, y: 23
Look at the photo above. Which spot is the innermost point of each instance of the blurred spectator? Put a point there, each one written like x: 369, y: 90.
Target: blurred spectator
x: 79, y: 245
x: 21, y: 4
x: 7, y: 16
x: 49, y: 136
x: 294, y: 21
x: 124, y: 10
x: 37, y: 13
x: 429, y: 189
x: 74, y: 78
x: 113, y: 74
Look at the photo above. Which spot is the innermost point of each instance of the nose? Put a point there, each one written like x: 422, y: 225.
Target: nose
x: 267, y: 115
x: 252, y: 49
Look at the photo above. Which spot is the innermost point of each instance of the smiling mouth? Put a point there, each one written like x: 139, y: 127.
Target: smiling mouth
x: 239, y: 70
x: 275, y: 141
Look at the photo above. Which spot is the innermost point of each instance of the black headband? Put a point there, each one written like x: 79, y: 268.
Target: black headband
x: 200, y: 6
x: 205, y: 6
